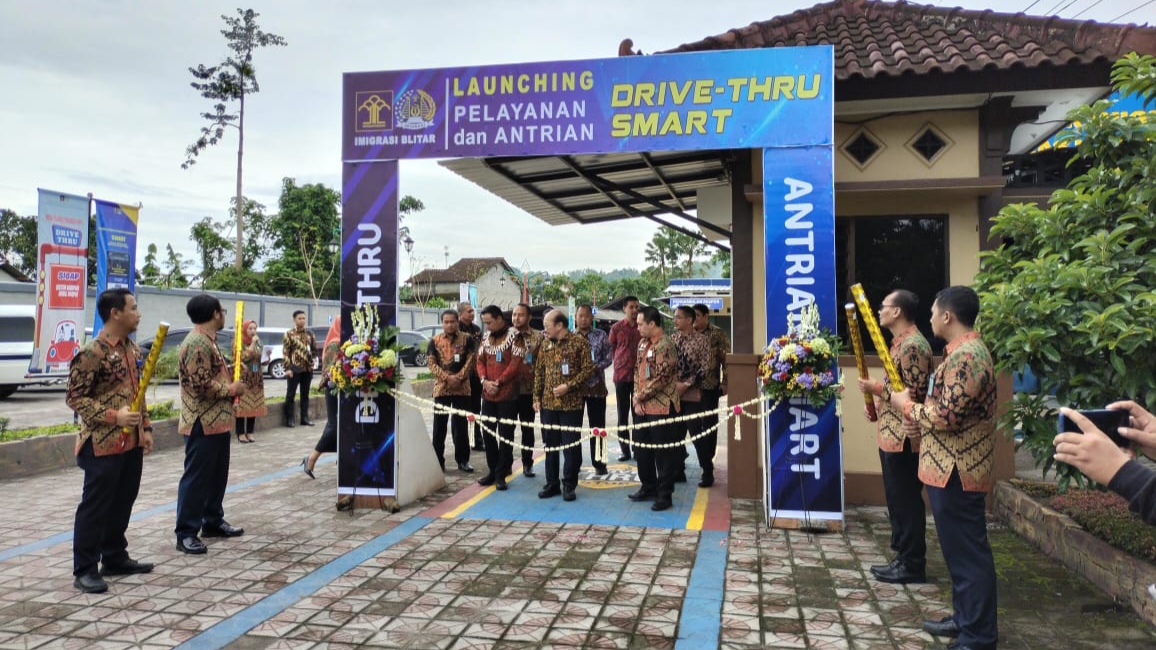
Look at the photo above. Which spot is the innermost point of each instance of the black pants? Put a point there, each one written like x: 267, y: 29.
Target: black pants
x: 476, y: 407
x: 500, y: 457
x: 201, y: 491
x: 526, y: 417
x: 327, y: 443
x: 905, y: 506
x: 961, y: 524
x: 571, y: 456
x: 706, y: 446
x: 657, y: 467
x: 624, y: 394
x: 244, y: 425
x: 111, y: 484
x: 302, y: 381
x: 459, y: 426
x: 596, y: 415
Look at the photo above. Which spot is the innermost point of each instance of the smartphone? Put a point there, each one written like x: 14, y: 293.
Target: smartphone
x: 1106, y: 420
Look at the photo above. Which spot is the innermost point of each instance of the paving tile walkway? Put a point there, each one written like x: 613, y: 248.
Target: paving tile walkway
x: 468, y: 567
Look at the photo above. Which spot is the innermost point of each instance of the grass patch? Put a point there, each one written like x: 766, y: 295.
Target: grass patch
x: 422, y: 376
x: 9, y: 435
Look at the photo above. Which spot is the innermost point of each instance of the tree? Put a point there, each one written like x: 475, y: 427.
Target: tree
x: 257, y: 234
x: 660, y: 251
x: 407, y: 206
x: 212, y: 246
x: 239, y: 281
x: 301, y: 232
x: 174, y: 277
x: 647, y: 287
x: 150, y: 273
x: 684, y: 245
x: 1069, y: 292
x: 722, y: 258
x: 18, y: 239
x: 227, y: 82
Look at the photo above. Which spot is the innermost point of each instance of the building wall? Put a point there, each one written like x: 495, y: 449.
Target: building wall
x: 491, y: 291
x: 897, y: 161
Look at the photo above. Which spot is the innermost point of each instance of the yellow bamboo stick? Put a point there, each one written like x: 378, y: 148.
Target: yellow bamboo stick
x: 860, y: 357
x: 146, y: 374
x: 868, y: 316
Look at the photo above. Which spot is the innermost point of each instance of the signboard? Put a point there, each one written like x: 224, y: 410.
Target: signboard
x: 714, y: 304
x: 1122, y: 105
x: 61, y: 281
x: 116, y: 228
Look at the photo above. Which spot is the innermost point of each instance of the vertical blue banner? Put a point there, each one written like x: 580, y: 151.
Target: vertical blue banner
x: 804, y: 464
x: 367, y: 425
x: 116, y: 229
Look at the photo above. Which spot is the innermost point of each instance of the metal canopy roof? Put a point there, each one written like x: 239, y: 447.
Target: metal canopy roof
x: 593, y: 188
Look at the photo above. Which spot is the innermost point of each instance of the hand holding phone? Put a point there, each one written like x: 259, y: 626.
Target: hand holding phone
x: 1107, y: 420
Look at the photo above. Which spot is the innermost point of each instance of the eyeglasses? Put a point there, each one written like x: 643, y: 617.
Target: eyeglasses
x: 224, y: 312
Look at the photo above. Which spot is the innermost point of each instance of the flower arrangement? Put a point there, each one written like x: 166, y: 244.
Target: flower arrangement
x: 803, y: 362
x: 368, y: 361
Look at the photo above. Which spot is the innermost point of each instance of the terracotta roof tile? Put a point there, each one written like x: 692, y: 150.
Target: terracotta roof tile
x: 894, y: 38
x: 466, y: 269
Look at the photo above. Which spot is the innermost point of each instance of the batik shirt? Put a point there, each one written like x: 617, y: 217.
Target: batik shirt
x: 475, y: 334
x: 912, y: 356
x: 252, y: 403
x: 957, y: 419
x: 531, y: 340
x: 720, y: 347
x: 206, y: 394
x: 102, y: 378
x: 562, y: 362
x: 451, y: 356
x: 500, y: 360
x: 624, y: 340
x: 297, y: 350
x: 693, y: 360
x: 655, y: 376
x: 602, y: 356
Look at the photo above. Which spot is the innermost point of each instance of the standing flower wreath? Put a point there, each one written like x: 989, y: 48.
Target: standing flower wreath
x: 802, y: 363
x: 368, y: 361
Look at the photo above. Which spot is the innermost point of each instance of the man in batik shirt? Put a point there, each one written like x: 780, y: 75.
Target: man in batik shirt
x: 499, y: 367
x: 714, y: 386
x: 531, y: 341
x: 693, y: 360
x: 595, y: 397
x: 297, y: 354
x: 655, y: 400
x: 560, y: 377
x: 451, y: 360
x: 624, y: 340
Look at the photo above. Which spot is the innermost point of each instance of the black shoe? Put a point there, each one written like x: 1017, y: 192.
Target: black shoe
x: 706, y: 481
x: 945, y: 626
x: 306, y: 422
x: 466, y: 467
x: 528, y: 471
x: 127, y: 568
x: 224, y: 529
x: 640, y: 495
x: 600, y: 469
x: 661, y: 504
x: 478, y: 448
x: 289, y: 423
x: 549, y: 491
x: 900, y: 575
x: 876, y: 568
x: 568, y: 494
x: 500, y: 484
x: 192, y: 546
x: 488, y: 479
x: 623, y: 458
x: 90, y: 583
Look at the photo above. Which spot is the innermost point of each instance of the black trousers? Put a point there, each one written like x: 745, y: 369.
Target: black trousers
x: 961, y: 524
x: 500, y: 457
x: 201, y: 491
x: 657, y: 467
x: 299, y: 381
x: 571, y: 456
x: 244, y: 425
x: 624, y: 394
x: 690, y: 428
x: 459, y: 434
x: 706, y: 446
x: 327, y: 443
x: 111, y: 484
x: 596, y: 416
x: 476, y: 407
x: 526, y: 415
x: 905, y: 506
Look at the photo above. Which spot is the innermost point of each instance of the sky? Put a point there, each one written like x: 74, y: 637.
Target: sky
x: 95, y: 97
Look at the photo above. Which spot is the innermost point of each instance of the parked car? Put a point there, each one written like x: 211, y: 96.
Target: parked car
x: 17, y: 334
x: 176, y: 335
x: 272, y: 355
x: 429, y: 330
x: 416, y: 347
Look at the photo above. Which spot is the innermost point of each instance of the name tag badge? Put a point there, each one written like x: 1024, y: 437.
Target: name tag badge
x: 457, y: 357
x: 593, y: 357
x: 648, y: 371
x: 499, y: 356
x: 565, y: 369
x: 529, y: 357
x: 931, y: 386
x: 650, y: 354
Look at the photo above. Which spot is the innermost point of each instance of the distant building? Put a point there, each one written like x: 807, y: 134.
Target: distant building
x: 9, y: 272
x: 496, y: 281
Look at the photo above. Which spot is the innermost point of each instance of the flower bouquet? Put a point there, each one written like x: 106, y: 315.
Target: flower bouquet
x: 368, y: 361
x: 802, y: 363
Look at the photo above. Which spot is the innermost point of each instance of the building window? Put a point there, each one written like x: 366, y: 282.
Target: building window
x: 886, y: 253
x: 929, y: 143
x: 862, y: 147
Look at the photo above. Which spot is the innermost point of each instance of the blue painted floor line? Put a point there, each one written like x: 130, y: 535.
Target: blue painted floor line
x: 232, y: 628
x: 701, y: 620
x: 61, y: 538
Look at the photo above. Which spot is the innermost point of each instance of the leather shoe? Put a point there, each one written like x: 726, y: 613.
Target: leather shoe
x: 305, y: 422
x: 192, y: 546
x: 549, y: 491
x: 876, y: 568
x: 224, y: 529
x: 600, y: 469
x: 528, y: 472
x: 661, y: 504
x: 568, y: 494
x: 90, y: 583
x: 488, y: 479
x: 500, y: 484
x: 900, y: 575
x: 640, y: 495
x: 466, y: 467
x: 126, y: 568
x: 706, y: 481
x: 623, y: 458
x: 943, y: 627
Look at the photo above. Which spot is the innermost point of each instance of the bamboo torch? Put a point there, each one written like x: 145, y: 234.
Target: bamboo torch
x: 146, y: 374
x: 876, y: 336
x: 238, y: 342
x: 860, y: 358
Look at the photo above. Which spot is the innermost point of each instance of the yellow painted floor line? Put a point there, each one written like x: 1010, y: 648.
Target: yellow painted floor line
x: 698, y: 511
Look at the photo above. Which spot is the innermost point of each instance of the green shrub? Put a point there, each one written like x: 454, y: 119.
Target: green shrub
x: 20, y: 434
x: 166, y: 367
x: 1106, y: 516
x: 162, y: 410
x: 421, y: 376
x: 4, y: 424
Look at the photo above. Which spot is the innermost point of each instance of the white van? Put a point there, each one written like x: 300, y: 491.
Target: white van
x: 17, y: 333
